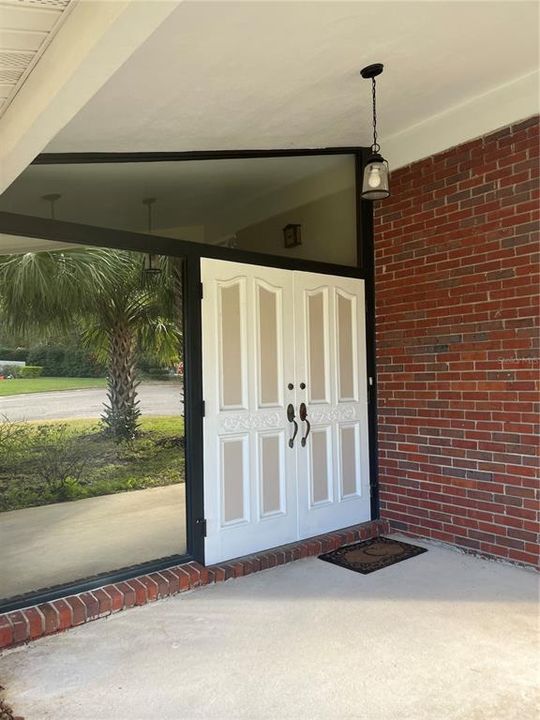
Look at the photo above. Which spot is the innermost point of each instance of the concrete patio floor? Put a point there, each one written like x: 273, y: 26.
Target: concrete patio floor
x: 62, y: 542
x: 442, y: 636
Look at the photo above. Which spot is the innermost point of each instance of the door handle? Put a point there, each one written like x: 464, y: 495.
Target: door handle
x: 303, y: 418
x: 291, y: 419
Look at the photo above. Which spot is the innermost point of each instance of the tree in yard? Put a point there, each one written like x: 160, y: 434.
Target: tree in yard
x: 119, y: 311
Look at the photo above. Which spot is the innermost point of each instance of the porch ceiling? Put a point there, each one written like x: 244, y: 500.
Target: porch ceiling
x: 230, y: 75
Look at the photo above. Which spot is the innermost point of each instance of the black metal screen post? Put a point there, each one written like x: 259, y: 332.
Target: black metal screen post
x: 193, y: 404
x: 365, y: 216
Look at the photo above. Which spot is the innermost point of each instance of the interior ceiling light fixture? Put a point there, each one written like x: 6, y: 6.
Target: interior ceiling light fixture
x: 52, y: 198
x: 375, y: 181
x: 152, y: 264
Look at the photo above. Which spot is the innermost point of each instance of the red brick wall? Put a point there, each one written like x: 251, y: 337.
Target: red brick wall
x: 457, y: 344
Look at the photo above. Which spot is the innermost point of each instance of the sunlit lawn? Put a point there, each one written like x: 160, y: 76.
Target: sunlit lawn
x: 18, y: 386
x: 155, y: 458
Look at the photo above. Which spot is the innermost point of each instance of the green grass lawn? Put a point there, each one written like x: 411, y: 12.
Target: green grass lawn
x: 70, y: 460
x: 18, y: 386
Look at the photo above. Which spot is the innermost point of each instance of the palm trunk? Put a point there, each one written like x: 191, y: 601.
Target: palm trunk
x: 121, y: 413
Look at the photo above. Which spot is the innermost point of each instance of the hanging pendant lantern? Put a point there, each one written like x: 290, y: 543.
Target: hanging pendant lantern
x: 152, y: 264
x: 375, y: 183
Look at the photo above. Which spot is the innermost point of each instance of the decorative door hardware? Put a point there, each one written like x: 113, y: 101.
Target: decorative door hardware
x: 303, y: 418
x: 291, y: 418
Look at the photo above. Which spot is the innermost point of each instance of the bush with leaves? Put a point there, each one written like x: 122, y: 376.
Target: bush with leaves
x: 14, y: 440
x: 30, y: 371
x: 62, y: 461
x: 10, y: 353
x: 65, y: 361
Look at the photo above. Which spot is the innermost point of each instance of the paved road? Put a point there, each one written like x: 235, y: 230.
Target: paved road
x: 157, y: 398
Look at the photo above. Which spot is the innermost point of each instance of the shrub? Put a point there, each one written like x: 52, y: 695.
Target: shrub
x: 60, y: 361
x: 71, y: 460
x: 30, y: 371
x: 157, y: 372
x: 20, y: 354
x: 62, y: 461
x: 49, y: 358
x: 14, y: 441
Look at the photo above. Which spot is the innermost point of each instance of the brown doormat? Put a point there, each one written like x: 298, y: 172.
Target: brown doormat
x: 370, y: 555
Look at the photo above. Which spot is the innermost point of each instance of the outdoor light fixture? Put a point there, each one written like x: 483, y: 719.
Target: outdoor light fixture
x: 375, y: 181
x: 152, y: 265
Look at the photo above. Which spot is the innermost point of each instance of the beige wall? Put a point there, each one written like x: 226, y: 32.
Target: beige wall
x: 192, y: 233
x: 328, y: 230
x: 322, y: 202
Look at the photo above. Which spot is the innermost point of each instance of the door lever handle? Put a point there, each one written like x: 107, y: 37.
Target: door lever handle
x: 303, y: 418
x: 291, y: 418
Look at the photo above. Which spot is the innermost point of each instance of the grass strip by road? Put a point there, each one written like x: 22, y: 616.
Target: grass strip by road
x: 58, y: 461
x: 20, y: 386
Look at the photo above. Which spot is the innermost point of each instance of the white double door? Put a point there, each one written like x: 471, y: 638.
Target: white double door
x: 277, y: 344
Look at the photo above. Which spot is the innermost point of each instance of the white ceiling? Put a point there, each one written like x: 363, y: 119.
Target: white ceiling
x: 234, y: 75
x: 26, y: 28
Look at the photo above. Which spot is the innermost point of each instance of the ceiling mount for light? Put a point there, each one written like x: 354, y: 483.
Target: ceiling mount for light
x: 152, y: 264
x: 52, y: 198
x: 375, y: 181
x: 371, y: 71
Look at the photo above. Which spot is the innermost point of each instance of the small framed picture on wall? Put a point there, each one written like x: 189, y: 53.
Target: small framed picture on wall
x: 292, y: 235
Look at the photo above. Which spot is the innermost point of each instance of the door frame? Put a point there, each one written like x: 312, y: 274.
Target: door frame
x: 80, y: 234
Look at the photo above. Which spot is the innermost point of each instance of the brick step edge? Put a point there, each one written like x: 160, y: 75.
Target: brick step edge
x: 22, y: 626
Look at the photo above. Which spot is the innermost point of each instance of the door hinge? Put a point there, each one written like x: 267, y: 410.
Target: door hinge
x: 201, y: 524
x: 201, y: 290
x: 203, y: 408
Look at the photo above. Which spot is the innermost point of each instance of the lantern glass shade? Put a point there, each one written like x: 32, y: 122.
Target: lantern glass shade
x: 375, y: 185
x: 152, y: 264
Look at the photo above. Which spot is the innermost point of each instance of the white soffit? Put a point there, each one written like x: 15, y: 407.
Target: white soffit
x: 252, y: 75
x: 26, y: 28
x: 95, y: 39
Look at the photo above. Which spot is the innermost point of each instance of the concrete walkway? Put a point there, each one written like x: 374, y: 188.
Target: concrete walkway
x: 59, y: 543
x: 442, y: 636
x: 157, y: 398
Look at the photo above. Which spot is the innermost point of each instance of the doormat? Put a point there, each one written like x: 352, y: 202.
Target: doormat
x: 371, y: 555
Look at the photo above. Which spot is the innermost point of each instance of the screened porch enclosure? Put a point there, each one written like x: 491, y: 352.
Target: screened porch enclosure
x: 286, y: 215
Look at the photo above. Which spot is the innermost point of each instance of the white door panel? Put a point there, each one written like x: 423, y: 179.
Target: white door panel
x: 264, y: 330
x: 249, y: 477
x: 333, y: 480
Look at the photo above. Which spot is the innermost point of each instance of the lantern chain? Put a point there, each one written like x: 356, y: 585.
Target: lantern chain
x: 375, y: 147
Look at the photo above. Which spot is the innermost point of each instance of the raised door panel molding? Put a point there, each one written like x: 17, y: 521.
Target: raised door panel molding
x: 250, y: 421
x: 342, y: 413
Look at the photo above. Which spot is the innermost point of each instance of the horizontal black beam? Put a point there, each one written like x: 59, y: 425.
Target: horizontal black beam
x: 78, y: 234
x: 76, y: 158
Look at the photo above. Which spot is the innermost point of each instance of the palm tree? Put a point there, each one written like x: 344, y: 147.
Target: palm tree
x: 119, y: 310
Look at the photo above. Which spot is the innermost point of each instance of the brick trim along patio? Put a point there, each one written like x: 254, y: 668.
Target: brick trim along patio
x: 22, y: 626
